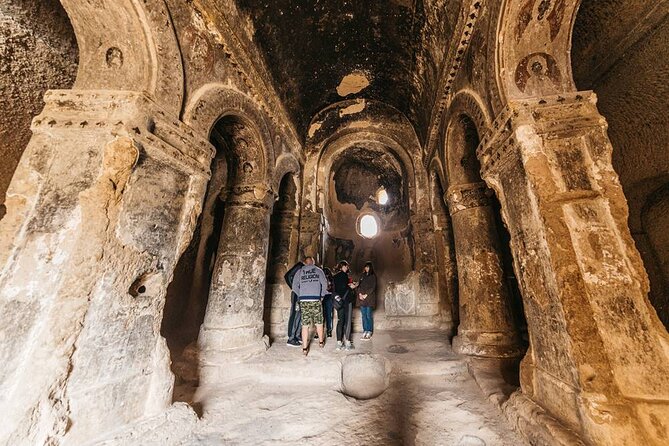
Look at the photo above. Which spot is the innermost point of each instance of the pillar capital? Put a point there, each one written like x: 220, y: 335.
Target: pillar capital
x: 125, y: 113
x: 551, y: 116
x: 466, y: 196
x: 256, y: 195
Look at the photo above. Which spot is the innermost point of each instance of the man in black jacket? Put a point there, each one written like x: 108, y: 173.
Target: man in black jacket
x: 294, y: 321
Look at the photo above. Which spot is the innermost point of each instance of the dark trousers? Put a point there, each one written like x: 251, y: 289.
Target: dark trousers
x: 328, y: 311
x: 344, y: 315
x: 294, y: 320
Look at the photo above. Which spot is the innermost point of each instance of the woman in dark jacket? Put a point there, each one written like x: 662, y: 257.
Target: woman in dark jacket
x: 367, y: 299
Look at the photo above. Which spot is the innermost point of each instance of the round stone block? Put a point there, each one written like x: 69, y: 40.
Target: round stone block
x: 365, y: 376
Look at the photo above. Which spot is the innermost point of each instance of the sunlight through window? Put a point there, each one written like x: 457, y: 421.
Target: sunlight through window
x: 382, y: 196
x: 368, y: 227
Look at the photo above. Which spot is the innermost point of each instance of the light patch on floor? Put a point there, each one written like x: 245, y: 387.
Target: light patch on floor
x: 282, y: 397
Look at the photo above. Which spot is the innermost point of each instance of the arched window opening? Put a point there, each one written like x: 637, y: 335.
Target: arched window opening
x: 382, y: 196
x: 368, y: 226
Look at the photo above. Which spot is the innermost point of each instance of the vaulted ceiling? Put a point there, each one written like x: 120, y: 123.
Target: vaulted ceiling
x: 310, y: 46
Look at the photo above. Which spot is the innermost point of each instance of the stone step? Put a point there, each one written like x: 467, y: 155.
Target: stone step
x: 408, y: 353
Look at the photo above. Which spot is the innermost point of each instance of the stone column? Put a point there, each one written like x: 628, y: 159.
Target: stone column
x: 104, y: 201
x: 233, y: 324
x: 278, y: 294
x: 599, y: 359
x: 486, y: 325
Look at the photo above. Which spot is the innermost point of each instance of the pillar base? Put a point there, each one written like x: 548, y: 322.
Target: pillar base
x: 487, y: 345
x: 219, y: 346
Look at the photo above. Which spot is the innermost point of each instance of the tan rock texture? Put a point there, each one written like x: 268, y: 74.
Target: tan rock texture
x: 203, y: 148
x: 38, y: 51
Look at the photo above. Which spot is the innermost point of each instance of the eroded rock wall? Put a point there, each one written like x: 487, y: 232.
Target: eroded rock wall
x: 630, y: 74
x: 38, y: 51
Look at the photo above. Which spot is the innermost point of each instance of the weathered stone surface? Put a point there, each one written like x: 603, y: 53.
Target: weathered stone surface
x: 486, y: 324
x: 38, y: 51
x: 95, y: 324
x: 108, y: 272
x: 607, y: 348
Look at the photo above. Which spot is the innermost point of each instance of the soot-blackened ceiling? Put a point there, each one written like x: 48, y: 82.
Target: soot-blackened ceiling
x: 310, y: 46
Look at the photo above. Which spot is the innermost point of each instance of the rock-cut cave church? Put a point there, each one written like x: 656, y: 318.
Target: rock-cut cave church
x: 504, y: 165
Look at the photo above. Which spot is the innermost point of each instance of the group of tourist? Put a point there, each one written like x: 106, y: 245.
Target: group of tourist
x: 317, y: 293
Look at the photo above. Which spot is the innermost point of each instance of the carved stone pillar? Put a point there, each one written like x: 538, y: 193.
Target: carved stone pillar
x: 486, y: 324
x: 310, y: 234
x: 233, y: 324
x: 599, y: 360
x: 105, y: 199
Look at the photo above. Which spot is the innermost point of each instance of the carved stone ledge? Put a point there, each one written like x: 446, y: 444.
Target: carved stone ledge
x: 461, y: 197
x: 549, y: 116
x: 126, y: 113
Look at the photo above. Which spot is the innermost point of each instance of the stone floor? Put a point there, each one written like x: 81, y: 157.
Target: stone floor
x: 285, y: 398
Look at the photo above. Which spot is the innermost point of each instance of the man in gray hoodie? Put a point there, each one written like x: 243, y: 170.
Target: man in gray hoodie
x: 310, y: 285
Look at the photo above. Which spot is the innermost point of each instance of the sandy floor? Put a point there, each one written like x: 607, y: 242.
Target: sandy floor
x: 285, y: 398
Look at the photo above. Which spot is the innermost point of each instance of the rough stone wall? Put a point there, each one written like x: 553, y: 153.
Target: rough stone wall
x: 97, y: 216
x: 635, y: 104
x: 38, y: 51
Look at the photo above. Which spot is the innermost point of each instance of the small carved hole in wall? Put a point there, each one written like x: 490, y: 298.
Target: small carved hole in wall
x: 147, y: 283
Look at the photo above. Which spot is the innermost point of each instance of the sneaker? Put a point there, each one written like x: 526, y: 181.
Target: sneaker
x: 364, y: 336
x: 330, y: 334
x: 316, y: 336
x: 349, y: 346
x: 293, y: 343
x: 340, y: 345
x: 369, y: 335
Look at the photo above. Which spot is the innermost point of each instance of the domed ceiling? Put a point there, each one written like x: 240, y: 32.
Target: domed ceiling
x: 320, y: 52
